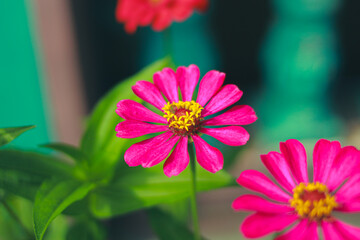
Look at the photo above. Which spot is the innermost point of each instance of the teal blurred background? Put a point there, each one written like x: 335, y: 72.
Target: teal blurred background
x: 296, y: 61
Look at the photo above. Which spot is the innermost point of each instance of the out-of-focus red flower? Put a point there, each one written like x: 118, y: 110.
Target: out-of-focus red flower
x: 157, y: 13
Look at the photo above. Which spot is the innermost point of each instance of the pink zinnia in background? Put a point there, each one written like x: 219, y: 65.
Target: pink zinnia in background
x: 183, y: 120
x: 307, y: 205
x: 158, y: 13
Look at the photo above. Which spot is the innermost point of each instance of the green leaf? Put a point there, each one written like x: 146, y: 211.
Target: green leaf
x: 86, y: 230
x: 144, y: 187
x: 9, y: 134
x: 100, y: 141
x: 22, y: 172
x: 71, y: 151
x: 53, y: 197
x: 174, y: 230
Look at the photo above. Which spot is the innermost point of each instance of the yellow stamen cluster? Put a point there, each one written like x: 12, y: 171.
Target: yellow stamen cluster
x: 313, y: 201
x: 183, y: 116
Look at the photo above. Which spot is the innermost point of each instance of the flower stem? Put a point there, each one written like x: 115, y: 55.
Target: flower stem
x: 194, y: 213
x: 168, y: 48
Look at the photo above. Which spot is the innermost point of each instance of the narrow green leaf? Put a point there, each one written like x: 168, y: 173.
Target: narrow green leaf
x: 71, y: 151
x: 9, y: 134
x: 53, y: 197
x: 100, y: 141
x: 144, y: 187
x: 174, y: 230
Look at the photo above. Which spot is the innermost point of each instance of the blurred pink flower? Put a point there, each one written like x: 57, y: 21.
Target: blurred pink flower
x: 158, y: 13
x: 183, y: 120
x: 305, y: 204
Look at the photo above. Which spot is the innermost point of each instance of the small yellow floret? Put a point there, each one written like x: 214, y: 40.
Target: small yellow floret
x: 314, y: 209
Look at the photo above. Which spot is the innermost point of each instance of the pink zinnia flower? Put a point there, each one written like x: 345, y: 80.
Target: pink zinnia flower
x: 158, y: 13
x: 307, y: 205
x: 183, y: 120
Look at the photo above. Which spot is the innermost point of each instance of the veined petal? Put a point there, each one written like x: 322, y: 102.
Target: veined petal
x: 330, y: 232
x: 277, y: 166
x: 323, y: 157
x: 350, y: 190
x: 296, y: 233
x: 311, y: 232
x: 352, y: 206
x: 258, y: 182
x: 149, y: 93
x: 232, y: 135
x: 131, y: 110
x: 295, y: 155
x: 255, y: 203
x: 209, y: 85
x: 165, y: 80
x: 133, y: 129
x: 188, y: 78
x: 137, y: 152
x: 210, y: 158
x: 261, y: 224
x: 178, y: 160
x: 346, y: 163
x: 226, y: 96
x: 347, y: 231
x: 238, y: 115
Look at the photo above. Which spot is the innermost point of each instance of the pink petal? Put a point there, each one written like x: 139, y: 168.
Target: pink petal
x: 311, y: 232
x: 295, y: 155
x: 261, y: 224
x: 210, y: 158
x: 258, y: 204
x: 352, y: 206
x: 346, y: 163
x: 149, y: 93
x: 330, y: 232
x: 165, y: 80
x: 226, y: 96
x: 135, y: 154
x: 296, y: 233
x: 347, y: 231
x: 209, y: 85
x: 162, y: 20
x: 188, y: 78
x: 178, y: 160
x: 131, y: 110
x: 323, y: 158
x: 258, y: 182
x: 233, y: 135
x: 277, y: 166
x: 133, y: 129
x: 350, y: 190
x: 238, y: 115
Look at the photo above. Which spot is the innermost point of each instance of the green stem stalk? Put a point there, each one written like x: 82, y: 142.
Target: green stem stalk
x: 194, y: 212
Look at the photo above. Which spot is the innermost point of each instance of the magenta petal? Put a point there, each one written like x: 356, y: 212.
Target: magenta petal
x: 347, y: 231
x: 165, y: 80
x: 352, y: 206
x: 277, y: 166
x: 131, y: 110
x: 258, y: 182
x: 350, y: 190
x: 135, y: 154
x: 296, y: 233
x: 323, y: 157
x: 209, y: 85
x: 346, y: 163
x: 233, y: 135
x: 178, y: 160
x: 149, y: 93
x: 188, y: 78
x: 330, y: 232
x: 210, y: 158
x: 258, y: 204
x: 226, y: 96
x: 261, y: 224
x: 133, y: 129
x: 295, y: 155
x: 238, y: 115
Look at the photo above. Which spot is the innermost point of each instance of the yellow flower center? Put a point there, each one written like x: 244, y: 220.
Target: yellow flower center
x: 313, y: 201
x: 183, y: 117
